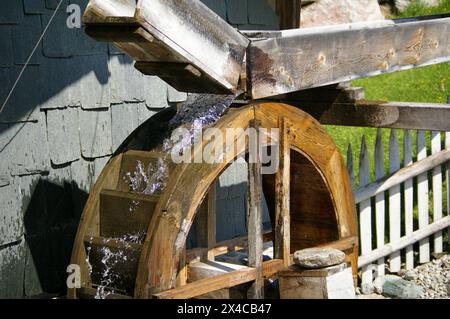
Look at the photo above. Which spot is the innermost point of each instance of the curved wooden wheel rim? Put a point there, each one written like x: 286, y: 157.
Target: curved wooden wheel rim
x: 189, y: 184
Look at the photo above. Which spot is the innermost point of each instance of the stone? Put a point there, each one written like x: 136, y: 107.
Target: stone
x: 315, y: 258
x: 332, y: 12
x: 95, y: 133
x: 396, y: 287
x: 410, y: 275
x: 237, y: 11
x: 335, y: 282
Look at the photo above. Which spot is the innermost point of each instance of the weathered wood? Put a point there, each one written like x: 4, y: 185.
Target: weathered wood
x: 211, y: 226
x: 401, y: 115
x: 409, y: 199
x: 437, y: 190
x: 282, y: 249
x: 405, y: 241
x: 125, y: 215
x: 315, y: 162
x: 423, y: 198
x: 365, y: 218
x: 202, y: 270
x: 418, y: 168
x: 224, y: 247
x: 394, y: 202
x: 447, y: 147
x: 195, y: 35
x: 116, y: 258
x: 305, y: 58
x: 228, y: 280
x: 254, y: 213
x: 380, y: 211
x: 289, y: 13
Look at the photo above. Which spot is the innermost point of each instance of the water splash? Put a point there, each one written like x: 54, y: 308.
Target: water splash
x: 199, y: 111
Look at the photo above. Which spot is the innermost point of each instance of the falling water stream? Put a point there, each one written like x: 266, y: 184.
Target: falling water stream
x: 199, y: 111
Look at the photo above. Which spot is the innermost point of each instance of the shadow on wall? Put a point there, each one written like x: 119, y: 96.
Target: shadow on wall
x: 51, y: 221
x: 53, y: 77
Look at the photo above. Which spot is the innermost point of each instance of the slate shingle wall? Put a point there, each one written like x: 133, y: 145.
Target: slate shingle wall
x: 75, y: 104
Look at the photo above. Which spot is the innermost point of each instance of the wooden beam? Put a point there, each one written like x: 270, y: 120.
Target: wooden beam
x: 282, y: 196
x: 254, y: 214
x: 404, y: 242
x: 228, y: 280
x: 418, y: 168
x: 401, y: 115
x: 224, y: 247
x: 304, y: 58
x: 289, y: 13
x: 211, y: 229
x: 199, y: 43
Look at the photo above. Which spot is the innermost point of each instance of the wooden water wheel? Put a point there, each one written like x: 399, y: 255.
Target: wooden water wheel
x: 146, y: 234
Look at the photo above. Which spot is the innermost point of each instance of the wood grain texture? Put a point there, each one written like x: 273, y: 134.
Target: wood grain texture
x: 394, y: 202
x: 162, y: 259
x: 254, y: 213
x: 409, y: 198
x: 282, y: 196
x: 305, y: 58
x: 423, y: 198
x: 380, y: 211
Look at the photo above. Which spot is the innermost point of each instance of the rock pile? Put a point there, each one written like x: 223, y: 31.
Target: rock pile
x: 434, y: 277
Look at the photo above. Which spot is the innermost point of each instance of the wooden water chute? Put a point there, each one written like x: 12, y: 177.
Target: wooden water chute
x: 321, y: 206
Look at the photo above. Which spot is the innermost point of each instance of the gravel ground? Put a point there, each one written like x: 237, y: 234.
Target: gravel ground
x: 434, y: 277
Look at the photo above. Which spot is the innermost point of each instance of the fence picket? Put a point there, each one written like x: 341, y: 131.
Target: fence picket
x: 379, y: 199
x: 365, y: 219
x: 437, y: 190
x: 350, y: 165
x: 409, y: 198
x: 447, y: 145
x: 394, y: 202
x: 423, y: 196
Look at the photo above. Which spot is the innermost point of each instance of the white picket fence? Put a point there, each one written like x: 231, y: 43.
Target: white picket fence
x: 386, y: 205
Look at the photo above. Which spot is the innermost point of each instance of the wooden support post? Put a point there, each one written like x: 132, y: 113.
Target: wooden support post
x: 254, y: 218
x: 289, y: 12
x: 282, y: 197
x: 211, y: 222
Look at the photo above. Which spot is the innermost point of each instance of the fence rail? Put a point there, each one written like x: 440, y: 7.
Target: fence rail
x: 401, y: 213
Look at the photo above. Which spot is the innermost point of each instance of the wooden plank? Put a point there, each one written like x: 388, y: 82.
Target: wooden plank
x: 196, y: 36
x: 380, y: 213
x: 402, y: 175
x: 437, y: 190
x: 401, y: 115
x: 114, y: 262
x: 289, y: 13
x: 405, y: 241
x: 224, y: 247
x: 423, y: 197
x: 447, y: 146
x: 228, y: 280
x: 312, y: 57
x: 394, y: 202
x: 350, y: 165
x: 212, y: 222
x: 282, y: 196
x: 365, y: 219
x: 409, y: 199
x: 202, y: 270
x: 125, y: 215
x: 254, y: 214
